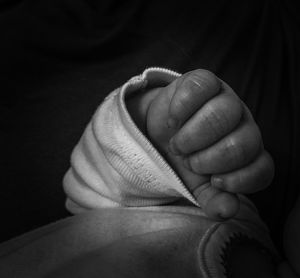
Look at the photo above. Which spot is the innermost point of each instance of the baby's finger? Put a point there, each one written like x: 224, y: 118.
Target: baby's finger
x: 217, y: 118
x: 252, y: 178
x: 232, y: 152
x: 193, y: 89
x: 216, y: 204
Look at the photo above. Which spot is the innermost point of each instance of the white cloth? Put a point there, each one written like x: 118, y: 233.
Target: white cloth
x: 114, y: 164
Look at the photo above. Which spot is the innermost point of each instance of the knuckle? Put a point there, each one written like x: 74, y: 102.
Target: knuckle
x: 237, y: 182
x: 230, y: 110
x: 255, y: 140
x: 216, y: 120
x: 181, y: 102
x: 195, y: 163
x: 222, y: 116
x: 233, y: 107
x: 244, y: 148
x: 183, y: 140
x: 236, y: 152
x: 202, y: 80
x: 268, y: 169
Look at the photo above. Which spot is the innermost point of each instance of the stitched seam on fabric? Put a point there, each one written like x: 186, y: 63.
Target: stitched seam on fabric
x: 156, y: 155
x: 201, y: 249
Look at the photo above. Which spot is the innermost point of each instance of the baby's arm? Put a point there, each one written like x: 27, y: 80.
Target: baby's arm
x: 208, y: 136
x: 114, y: 163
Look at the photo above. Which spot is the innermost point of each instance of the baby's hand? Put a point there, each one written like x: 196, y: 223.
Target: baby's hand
x: 208, y: 136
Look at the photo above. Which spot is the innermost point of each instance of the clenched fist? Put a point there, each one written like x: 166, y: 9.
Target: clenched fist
x: 208, y: 136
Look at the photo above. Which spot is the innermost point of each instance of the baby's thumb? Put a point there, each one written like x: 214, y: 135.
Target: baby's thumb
x: 217, y: 204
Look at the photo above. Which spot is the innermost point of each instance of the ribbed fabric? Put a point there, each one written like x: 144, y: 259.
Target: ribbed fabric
x: 114, y: 164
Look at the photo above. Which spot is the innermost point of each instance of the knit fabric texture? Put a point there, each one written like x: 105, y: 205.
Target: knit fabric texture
x: 114, y: 164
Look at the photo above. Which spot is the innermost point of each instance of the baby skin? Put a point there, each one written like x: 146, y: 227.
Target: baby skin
x: 209, y: 137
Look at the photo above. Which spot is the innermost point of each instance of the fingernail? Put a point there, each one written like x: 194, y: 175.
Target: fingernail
x: 172, y: 148
x: 217, y: 182
x: 172, y: 123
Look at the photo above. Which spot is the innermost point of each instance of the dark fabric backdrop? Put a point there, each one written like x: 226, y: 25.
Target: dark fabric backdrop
x: 60, y: 58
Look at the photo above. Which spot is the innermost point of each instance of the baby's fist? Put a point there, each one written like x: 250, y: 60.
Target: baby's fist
x: 209, y: 137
